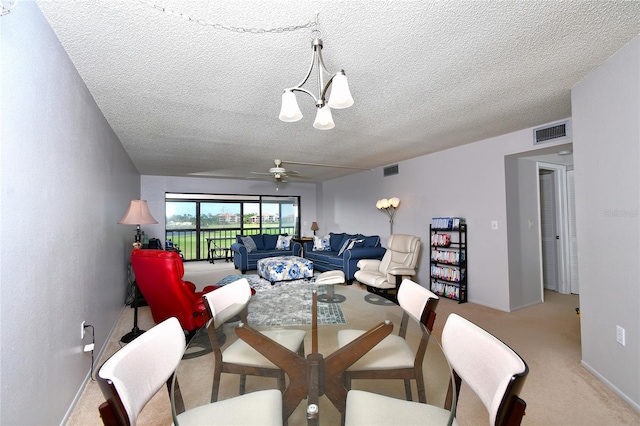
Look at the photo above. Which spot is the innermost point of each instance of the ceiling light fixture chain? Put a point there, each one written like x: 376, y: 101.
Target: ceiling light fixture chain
x: 217, y: 26
x: 5, y: 10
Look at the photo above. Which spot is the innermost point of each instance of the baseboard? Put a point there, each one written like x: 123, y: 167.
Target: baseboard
x: 96, y: 357
x: 635, y: 405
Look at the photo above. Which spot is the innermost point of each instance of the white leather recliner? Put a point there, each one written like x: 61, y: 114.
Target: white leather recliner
x: 399, y: 262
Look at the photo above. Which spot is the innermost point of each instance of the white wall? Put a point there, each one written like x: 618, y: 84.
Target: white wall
x: 66, y: 181
x: 467, y: 181
x: 606, y: 122
x: 154, y: 188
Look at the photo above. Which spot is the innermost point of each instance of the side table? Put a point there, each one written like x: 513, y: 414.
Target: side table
x: 302, y: 240
x: 213, y: 251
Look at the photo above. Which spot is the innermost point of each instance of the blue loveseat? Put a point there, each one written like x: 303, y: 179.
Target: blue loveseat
x: 329, y: 260
x: 245, y: 260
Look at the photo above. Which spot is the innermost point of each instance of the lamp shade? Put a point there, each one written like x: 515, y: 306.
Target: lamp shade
x: 340, y: 93
x: 290, y: 111
x: 137, y: 214
x: 314, y: 226
x: 395, y: 202
x: 324, y: 120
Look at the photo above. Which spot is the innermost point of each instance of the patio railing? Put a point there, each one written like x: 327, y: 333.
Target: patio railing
x: 193, y: 244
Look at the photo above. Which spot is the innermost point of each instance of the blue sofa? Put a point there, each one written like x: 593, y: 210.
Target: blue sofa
x: 329, y: 260
x: 266, y: 247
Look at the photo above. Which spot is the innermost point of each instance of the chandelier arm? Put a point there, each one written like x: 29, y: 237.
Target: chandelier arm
x: 300, y: 89
x: 326, y: 87
x: 322, y: 89
x: 306, y: 77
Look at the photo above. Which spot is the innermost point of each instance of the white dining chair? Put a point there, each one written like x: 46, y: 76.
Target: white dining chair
x: 134, y: 374
x: 494, y: 371
x: 394, y: 358
x: 240, y: 358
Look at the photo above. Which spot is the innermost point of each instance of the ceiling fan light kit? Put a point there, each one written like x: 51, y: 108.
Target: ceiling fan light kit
x: 340, y: 94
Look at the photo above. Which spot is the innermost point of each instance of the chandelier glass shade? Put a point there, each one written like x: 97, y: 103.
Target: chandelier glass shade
x: 340, y: 94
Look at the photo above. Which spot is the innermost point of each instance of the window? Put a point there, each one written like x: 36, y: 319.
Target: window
x: 204, y: 225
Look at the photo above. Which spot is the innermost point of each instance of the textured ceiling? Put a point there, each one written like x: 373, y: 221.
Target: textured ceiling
x: 186, y: 98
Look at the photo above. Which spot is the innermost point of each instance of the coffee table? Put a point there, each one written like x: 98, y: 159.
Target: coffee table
x: 285, y: 268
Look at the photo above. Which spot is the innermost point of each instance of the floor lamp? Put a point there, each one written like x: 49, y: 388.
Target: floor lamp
x: 137, y: 214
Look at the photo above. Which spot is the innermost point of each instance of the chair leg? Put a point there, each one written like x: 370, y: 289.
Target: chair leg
x: 216, y: 384
x: 407, y: 389
x: 243, y: 383
x: 422, y: 395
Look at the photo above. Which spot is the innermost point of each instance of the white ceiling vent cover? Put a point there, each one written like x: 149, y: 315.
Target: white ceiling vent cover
x: 390, y: 170
x: 552, y: 133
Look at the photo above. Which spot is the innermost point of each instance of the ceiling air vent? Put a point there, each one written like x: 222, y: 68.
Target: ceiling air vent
x: 390, y: 171
x: 553, y: 133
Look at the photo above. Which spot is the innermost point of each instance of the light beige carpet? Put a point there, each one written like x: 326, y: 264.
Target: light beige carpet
x: 558, y: 391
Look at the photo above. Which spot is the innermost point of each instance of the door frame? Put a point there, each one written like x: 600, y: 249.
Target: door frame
x: 562, y: 225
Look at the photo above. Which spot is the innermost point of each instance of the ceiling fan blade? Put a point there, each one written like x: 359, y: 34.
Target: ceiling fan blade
x: 296, y: 176
x: 260, y: 173
x: 324, y: 165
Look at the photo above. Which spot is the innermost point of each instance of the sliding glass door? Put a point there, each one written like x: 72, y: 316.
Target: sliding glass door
x: 205, y: 225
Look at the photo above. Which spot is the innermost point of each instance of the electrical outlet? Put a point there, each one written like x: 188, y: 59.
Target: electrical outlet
x: 82, y: 330
x: 620, y: 335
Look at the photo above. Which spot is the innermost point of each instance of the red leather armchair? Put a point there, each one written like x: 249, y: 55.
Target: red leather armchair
x: 159, y: 277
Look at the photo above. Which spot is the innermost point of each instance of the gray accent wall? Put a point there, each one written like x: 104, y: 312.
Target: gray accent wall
x: 66, y: 181
x: 606, y: 124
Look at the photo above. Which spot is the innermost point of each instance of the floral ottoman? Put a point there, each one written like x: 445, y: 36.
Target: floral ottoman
x: 284, y: 268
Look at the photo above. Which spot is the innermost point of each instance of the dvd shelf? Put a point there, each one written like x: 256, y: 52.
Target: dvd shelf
x: 449, y: 257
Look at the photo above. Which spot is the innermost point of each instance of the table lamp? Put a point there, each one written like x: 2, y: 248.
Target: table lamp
x: 314, y: 227
x: 137, y: 214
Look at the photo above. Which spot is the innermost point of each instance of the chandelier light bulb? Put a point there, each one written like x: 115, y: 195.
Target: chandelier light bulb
x: 340, y: 93
x: 324, y: 120
x: 384, y: 203
x: 395, y: 202
x: 290, y: 111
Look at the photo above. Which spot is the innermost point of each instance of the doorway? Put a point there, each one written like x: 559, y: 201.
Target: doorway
x: 558, y: 256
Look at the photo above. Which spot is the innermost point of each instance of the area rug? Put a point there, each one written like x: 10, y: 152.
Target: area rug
x: 286, y: 303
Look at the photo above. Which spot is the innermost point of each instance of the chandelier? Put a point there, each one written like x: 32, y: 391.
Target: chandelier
x: 340, y: 93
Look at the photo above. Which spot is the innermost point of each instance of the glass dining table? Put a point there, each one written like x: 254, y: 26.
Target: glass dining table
x: 315, y: 392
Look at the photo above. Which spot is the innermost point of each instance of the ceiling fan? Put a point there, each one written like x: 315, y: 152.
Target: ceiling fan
x: 279, y: 173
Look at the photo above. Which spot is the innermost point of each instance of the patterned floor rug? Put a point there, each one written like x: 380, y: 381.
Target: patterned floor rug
x: 286, y: 303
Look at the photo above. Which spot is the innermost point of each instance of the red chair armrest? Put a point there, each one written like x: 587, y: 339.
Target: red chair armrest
x: 191, y: 286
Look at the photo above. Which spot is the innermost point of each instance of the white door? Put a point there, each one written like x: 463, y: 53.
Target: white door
x: 548, y: 231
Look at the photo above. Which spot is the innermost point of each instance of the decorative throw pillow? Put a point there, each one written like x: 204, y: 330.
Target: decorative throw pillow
x: 249, y: 244
x: 284, y: 243
x: 355, y: 243
x: 349, y: 244
x: 345, y: 244
x: 322, y: 244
